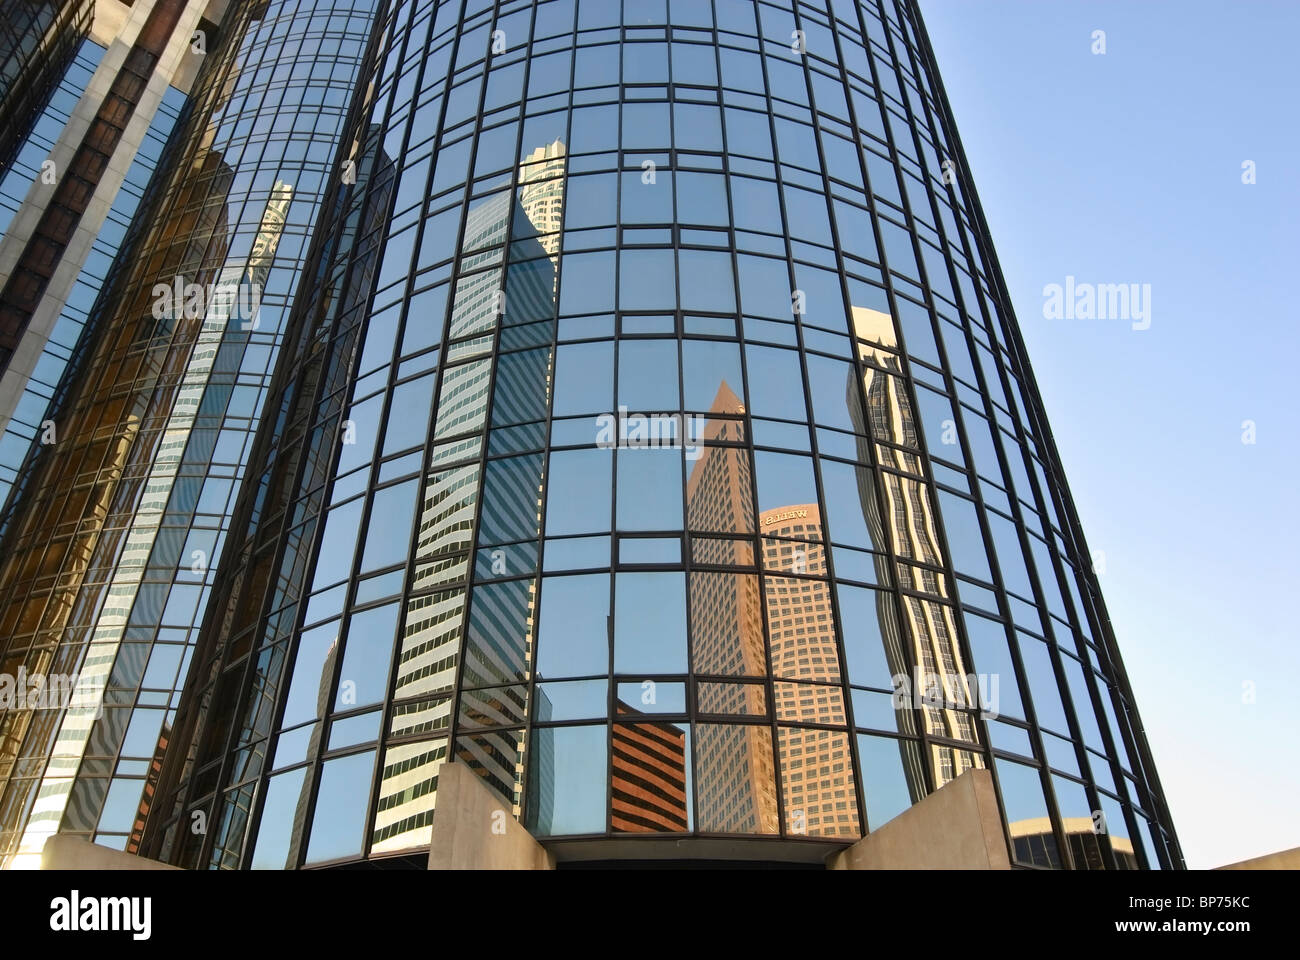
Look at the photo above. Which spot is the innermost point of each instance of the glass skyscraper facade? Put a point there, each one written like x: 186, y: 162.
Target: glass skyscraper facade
x: 113, y: 540
x: 638, y: 418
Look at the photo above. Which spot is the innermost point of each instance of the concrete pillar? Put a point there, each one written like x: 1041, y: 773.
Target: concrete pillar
x: 474, y: 830
x: 958, y: 827
x: 65, y: 852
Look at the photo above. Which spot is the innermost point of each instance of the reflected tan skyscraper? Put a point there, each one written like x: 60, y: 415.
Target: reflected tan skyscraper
x: 648, y: 773
x: 912, y: 531
x: 816, y: 767
x: 737, y: 792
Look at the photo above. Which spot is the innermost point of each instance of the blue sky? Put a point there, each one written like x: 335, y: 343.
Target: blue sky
x: 1127, y: 168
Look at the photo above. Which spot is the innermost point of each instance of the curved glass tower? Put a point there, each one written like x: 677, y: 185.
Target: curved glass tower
x: 654, y: 438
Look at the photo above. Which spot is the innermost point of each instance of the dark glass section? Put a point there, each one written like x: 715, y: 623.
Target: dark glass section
x: 21, y: 293
x: 38, y: 41
x: 111, y: 551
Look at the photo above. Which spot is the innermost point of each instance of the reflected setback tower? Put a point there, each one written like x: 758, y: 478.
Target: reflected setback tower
x: 651, y: 414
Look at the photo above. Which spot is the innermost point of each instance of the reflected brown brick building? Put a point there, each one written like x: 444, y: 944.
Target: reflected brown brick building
x: 648, y: 775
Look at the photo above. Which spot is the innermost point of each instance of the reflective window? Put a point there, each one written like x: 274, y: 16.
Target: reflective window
x: 367, y: 653
x: 891, y: 777
x: 567, y: 781
x: 574, y: 631
x: 578, y: 492
x: 649, y: 623
x: 339, y: 821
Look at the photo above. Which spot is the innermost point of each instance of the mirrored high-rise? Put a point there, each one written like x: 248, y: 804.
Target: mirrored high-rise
x: 652, y: 435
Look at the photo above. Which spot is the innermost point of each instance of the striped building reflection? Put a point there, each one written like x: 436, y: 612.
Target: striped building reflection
x: 482, y: 404
x: 929, y: 641
x: 648, y: 774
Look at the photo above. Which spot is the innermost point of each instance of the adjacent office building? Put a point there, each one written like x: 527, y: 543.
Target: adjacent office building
x: 125, y: 471
x: 628, y: 406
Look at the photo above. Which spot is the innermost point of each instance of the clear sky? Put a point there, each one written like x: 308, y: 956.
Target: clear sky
x: 1127, y: 168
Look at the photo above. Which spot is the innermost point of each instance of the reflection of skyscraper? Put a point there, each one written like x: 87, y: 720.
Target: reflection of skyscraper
x: 932, y: 640
x: 737, y: 774
x: 488, y: 297
x: 817, y: 773
x: 38, y: 39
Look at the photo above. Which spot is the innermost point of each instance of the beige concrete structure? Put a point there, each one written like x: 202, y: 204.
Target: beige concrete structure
x: 64, y: 852
x: 958, y: 827
x: 473, y: 828
x: 1282, y: 860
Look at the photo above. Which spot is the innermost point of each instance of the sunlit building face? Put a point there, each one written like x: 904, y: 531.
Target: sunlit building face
x: 651, y: 435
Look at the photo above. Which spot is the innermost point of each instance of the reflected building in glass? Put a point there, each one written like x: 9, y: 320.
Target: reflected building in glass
x: 651, y: 434
x: 119, y: 514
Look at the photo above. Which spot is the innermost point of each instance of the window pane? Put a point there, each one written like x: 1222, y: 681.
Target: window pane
x: 567, y: 779
x: 650, y: 489
x: 573, y: 638
x: 737, y: 778
x: 650, y: 623
x: 892, y: 777
x: 578, y: 492
x: 338, y: 825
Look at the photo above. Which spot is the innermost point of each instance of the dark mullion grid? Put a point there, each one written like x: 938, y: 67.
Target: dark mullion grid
x: 1051, y: 461
x: 277, y: 536
x: 429, y: 445
x: 679, y: 332
x: 921, y: 453
x: 530, y: 719
x: 952, y: 602
x: 856, y: 367
x: 314, y: 764
x: 858, y: 371
x: 846, y: 727
x: 493, y: 357
x: 187, y: 777
x: 620, y: 159
x: 976, y: 492
x: 405, y: 596
x: 754, y: 539
x: 978, y: 500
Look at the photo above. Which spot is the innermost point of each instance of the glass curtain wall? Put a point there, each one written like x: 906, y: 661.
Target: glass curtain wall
x: 659, y: 444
